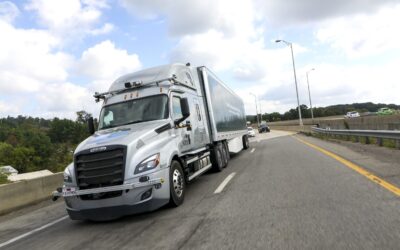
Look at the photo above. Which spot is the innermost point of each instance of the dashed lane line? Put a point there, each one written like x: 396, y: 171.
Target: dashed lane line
x: 221, y: 186
x: 32, y: 232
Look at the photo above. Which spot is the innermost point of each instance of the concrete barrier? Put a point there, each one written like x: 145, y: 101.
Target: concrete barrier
x: 23, y: 193
x: 390, y: 122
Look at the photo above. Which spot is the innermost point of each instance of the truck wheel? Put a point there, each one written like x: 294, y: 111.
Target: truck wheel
x: 225, y: 151
x: 177, y: 185
x: 217, y: 158
x: 246, y: 143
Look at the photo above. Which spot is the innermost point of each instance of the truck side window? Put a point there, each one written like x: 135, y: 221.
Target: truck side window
x: 176, y: 107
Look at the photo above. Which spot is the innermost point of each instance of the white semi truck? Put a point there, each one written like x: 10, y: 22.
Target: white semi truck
x: 158, y: 129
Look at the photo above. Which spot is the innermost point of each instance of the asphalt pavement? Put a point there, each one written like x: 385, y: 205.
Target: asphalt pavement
x: 281, y: 194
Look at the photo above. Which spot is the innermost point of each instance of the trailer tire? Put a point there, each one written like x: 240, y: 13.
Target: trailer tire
x: 246, y: 143
x: 217, y: 159
x: 177, y: 184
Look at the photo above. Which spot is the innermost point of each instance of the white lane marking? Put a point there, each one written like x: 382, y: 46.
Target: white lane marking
x: 32, y: 232
x: 252, y: 151
x: 224, y: 183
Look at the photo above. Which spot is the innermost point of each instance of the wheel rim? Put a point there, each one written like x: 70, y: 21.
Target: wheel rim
x: 177, y: 180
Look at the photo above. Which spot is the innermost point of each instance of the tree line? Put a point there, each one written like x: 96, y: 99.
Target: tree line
x: 31, y: 144
x: 340, y: 109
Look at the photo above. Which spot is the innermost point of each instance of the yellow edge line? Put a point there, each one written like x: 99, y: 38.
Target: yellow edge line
x: 392, y: 188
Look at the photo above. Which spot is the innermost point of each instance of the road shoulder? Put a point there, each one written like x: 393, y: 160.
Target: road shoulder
x: 382, y: 162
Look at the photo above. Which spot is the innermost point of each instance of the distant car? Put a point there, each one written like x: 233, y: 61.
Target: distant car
x: 250, y: 132
x: 263, y: 128
x: 385, y: 111
x: 352, y: 114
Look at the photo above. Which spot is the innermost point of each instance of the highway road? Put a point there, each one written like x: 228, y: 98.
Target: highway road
x: 280, y: 194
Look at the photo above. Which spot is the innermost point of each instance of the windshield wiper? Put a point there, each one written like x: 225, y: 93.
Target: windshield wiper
x: 132, y: 122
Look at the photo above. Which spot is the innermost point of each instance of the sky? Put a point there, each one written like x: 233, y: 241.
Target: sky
x: 54, y: 54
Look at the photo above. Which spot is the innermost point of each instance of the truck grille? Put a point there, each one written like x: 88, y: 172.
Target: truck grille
x: 100, y: 169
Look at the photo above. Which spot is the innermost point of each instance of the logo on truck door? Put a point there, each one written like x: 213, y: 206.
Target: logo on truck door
x: 186, y: 140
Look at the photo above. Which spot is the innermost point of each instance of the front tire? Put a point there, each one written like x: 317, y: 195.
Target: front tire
x: 177, y: 185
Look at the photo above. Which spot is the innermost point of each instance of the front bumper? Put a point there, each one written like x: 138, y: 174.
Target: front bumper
x: 114, y: 212
x: 72, y: 191
x: 131, y: 199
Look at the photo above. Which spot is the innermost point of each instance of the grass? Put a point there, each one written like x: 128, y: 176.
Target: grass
x: 3, y: 179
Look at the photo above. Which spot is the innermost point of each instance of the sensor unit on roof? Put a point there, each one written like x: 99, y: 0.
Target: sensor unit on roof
x: 133, y: 84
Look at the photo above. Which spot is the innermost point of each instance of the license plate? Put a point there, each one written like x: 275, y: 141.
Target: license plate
x: 68, y: 191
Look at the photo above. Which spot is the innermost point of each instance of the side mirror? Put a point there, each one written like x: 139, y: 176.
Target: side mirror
x: 185, y: 107
x: 185, y: 110
x: 90, y: 124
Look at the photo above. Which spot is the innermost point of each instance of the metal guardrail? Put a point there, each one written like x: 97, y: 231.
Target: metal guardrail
x: 383, y: 134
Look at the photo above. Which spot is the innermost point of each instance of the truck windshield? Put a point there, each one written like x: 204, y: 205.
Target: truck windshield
x: 134, y: 111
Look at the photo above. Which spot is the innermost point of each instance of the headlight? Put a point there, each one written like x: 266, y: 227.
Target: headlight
x: 150, y: 163
x: 67, y: 177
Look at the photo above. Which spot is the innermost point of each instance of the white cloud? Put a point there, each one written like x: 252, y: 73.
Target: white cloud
x: 63, y: 100
x: 367, y: 35
x: 27, y: 59
x: 70, y: 18
x: 104, y: 63
x: 7, y: 109
x: 35, y: 73
x: 106, y: 28
x: 8, y: 11
x: 334, y: 84
x: 296, y: 13
x: 197, y: 16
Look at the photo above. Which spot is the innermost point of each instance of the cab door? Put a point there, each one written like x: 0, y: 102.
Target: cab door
x: 183, y: 130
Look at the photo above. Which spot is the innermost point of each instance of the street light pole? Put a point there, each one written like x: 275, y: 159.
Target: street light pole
x: 259, y: 104
x: 309, y: 95
x: 255, y: 99
x: 295, y: 79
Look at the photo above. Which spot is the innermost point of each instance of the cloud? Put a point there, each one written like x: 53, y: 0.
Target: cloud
x: 36, y: 74
x: 294, y: 12
x: 197, y: 16
x: 8, y: 11
x: 27, y: 59
x: 367, y: 35
x: 104, y: 63
x: 7, y: 109
x: 107, y: 28
x: 70, y: 18
x: 63, y: 100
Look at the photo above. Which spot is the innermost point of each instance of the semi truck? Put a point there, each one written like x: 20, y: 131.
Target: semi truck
x: 158, y: 130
